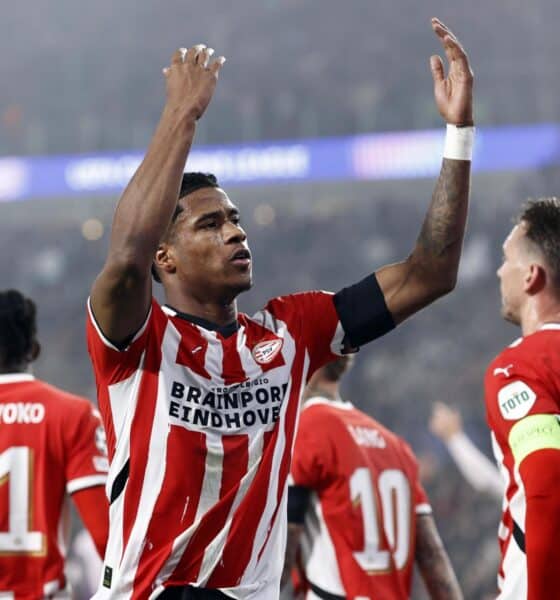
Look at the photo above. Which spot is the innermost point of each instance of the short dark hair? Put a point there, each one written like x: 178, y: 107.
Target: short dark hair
x: 334, y: 370
x: 542, y: 217
x: 18, y: 330
x: 191, y: 182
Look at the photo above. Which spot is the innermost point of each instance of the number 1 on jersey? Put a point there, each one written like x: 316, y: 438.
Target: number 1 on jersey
x: 393, y: 523
x: 16, y: 468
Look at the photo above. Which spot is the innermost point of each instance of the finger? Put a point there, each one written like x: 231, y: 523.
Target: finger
x: 443, y: 33
x: 216, y: 66
x: 442, y: 29
x: 178, y: 55
x: 192, y: 53
x: 436, y: 66
x: 454, y: 51
x: 437, y: 24
x: 165, y: 71
x: 203, y: 56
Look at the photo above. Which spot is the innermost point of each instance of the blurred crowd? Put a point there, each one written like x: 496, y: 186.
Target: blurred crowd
x: 323, y: 237
x: 87, y: 77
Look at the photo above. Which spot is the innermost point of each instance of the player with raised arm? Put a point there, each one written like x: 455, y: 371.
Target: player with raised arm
x: 479, y: 470
x: 199, y: 401
x: 522, y: 393
x: 52, y: 446
x: 356, y: 507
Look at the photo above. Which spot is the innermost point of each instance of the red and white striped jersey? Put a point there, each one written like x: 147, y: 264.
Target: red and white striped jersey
x: 52, y: 444
x: 360, y: 528
x: 200, y: 426
x: 523, y: 380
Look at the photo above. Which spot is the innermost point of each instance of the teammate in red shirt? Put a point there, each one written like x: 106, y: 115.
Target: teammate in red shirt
x: 199, y: 401
x: 522, y: 390
x: 356, y: 508
x: 52, y: 446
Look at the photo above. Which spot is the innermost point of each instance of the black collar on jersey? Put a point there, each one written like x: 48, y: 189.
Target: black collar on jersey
x: 223, y: 330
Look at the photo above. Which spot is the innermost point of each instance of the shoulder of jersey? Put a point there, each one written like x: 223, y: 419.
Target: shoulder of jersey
x: 48, y: 392
x: 520, y: 357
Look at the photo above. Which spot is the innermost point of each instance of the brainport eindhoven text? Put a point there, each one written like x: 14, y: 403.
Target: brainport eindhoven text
x: 245, y: 405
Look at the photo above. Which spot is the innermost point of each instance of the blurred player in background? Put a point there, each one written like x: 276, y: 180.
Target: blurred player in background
x: 52, y: 446
x: 476, y: 468
x: 199, y: 401
x: 356, y: 507
x: 522, y: 390
x: 83, y: 566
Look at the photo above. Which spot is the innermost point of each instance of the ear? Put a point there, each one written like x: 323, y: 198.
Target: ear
x: 35, y: 351
x: 535, y: 279
x: 165, y: 259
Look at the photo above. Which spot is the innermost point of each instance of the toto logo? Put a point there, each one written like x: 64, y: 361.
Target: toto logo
x: 265, y: 352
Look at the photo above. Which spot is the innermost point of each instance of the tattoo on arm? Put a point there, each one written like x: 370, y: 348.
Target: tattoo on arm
x: 433, y: 562
x: 441, y: 237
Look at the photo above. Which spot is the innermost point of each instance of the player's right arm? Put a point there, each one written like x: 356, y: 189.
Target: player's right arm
x: 433, y: 562
x: 431, y: 269
x: 121, y: 294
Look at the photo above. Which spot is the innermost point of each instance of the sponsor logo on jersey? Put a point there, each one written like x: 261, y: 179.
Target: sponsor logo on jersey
x: 21, y: 412
x: 101, y: 440
x: 265, y: 352
x: 242, y: 406
x: 515, y: 400
x: 503, y: 370
x: 101, y: 463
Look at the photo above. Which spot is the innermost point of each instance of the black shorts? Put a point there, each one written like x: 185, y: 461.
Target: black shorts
x: 188, y: 592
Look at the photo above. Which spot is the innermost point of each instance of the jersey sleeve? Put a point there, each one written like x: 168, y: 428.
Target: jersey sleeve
x: 313, y: 319
x: 314, y: 457
x: 85, y: 447
x: 110, y: 363
x: 331, y: 325
x: 515, y: 391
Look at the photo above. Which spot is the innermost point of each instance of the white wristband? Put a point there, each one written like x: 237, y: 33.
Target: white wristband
x: 459, y: 142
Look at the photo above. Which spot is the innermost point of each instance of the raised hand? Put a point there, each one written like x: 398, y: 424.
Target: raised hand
x: 191, y: 79
x: 453, y: 94
x: 445, y: 421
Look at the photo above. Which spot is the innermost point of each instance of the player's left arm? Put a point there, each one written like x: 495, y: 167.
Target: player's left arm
x: 433, y: 562
x: 535, y: 445
x: 431, y: 269
x: 292, y: 544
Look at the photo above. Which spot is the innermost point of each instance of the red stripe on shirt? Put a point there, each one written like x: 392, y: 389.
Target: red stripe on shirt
x: 234, y: 466
x: 243, y: 531
x: 192, y: 349
x: 232, y: 369
x: 183, y: 448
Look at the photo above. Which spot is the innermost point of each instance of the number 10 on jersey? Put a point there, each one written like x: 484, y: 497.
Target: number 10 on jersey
x: 390, y: 522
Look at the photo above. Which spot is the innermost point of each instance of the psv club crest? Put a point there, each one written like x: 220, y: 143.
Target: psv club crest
x: 266, y: 351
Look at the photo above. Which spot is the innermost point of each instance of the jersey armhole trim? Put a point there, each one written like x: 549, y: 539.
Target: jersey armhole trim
x: 423, y: 509
x: 81, y: 483
x: 106, y: 340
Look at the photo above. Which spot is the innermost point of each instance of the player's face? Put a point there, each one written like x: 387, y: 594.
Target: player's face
x: 209, y: 247
x: 511, y: 274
